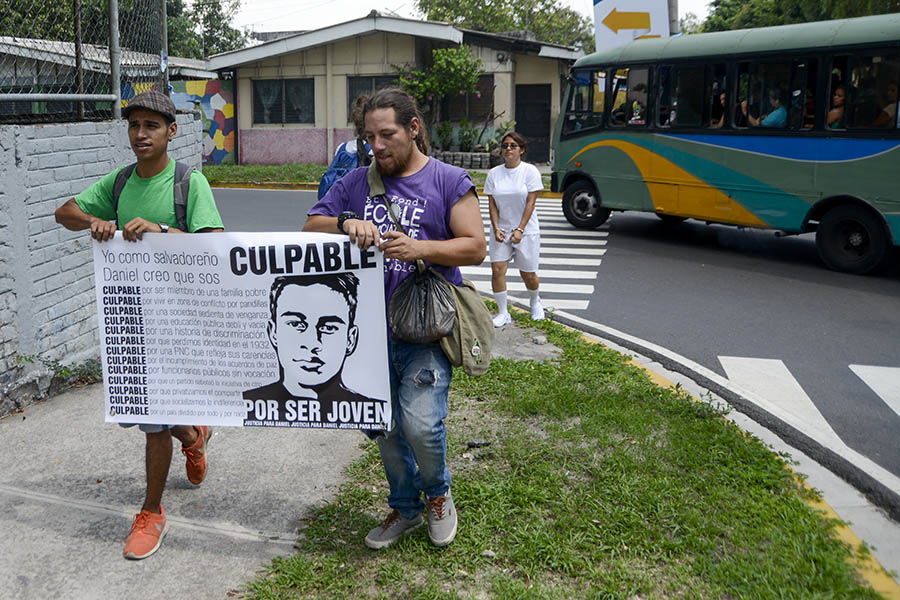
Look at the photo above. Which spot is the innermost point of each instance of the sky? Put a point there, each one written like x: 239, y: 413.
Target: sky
x: 293, y: 15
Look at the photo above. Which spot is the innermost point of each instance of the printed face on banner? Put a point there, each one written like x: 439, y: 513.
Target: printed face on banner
x: 261, y: 330
x: 312, y: 334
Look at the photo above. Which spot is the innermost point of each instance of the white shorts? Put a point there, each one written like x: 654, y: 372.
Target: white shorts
x: 525, y: 255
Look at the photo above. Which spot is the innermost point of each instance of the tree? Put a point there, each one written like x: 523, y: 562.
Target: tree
x: 547, y: 19
x: 138, y: 24
x: 690, y: 23
x: 740, y: 14
x: 453, y: 71
x: 216, y: 33
x: 183, y: 40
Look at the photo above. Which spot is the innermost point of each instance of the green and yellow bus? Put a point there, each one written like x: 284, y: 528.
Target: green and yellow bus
x: 791, y: 128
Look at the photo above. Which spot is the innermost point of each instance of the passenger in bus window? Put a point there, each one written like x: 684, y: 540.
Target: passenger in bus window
x: 776, y: 117
x: 809, y: 110
x: 836, y: 114
x: 888, y: 115
x: 717, y: 113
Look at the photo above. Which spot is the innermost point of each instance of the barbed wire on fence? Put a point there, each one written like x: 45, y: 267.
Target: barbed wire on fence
x: 57, y: 60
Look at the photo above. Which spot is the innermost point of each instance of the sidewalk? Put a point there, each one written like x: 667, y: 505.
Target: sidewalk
x: 70, y: 484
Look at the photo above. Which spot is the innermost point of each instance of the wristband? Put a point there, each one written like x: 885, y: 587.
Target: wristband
x: 520, y: 230
x: 347, y: 214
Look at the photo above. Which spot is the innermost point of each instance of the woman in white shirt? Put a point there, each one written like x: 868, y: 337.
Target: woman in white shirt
x: 512, y: 190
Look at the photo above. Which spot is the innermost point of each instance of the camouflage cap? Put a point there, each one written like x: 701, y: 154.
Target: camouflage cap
x: 153, y: 100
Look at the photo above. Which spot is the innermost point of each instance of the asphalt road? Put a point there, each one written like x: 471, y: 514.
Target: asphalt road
x: 710, y: 291
x: 716, y: 295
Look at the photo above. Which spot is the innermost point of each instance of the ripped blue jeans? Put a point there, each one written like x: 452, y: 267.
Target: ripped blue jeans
x: 414, y: 451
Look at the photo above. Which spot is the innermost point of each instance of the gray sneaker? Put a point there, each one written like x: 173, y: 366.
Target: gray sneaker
x: 441, y: 519
x: 391, y: 529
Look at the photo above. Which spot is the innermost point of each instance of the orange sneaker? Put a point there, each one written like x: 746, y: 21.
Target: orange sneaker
x: 147, y: 532
x: 195, y: 456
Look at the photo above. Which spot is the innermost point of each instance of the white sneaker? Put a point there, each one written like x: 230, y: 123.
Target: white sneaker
x: 502, y: 319
x: 537, y: 311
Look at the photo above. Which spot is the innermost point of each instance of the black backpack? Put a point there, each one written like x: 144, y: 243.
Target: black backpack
x: 182, y: 188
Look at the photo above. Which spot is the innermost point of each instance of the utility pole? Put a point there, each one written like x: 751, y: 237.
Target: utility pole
x: 164, y: 50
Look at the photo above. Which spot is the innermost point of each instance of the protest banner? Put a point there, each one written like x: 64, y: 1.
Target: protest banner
x: 243, y: 329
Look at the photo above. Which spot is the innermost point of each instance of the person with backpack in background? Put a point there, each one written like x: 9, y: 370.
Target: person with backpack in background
x: 351, y: 154
x: 159, y: 196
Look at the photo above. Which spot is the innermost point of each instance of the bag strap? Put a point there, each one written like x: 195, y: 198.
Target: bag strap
x: 376, y: 189
x: 182, y: 190
x: 119, y: 184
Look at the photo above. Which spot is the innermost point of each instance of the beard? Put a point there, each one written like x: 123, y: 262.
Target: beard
x: 396, y: 162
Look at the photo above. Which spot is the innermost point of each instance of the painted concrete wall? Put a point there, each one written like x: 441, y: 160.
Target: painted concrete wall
x: 46, y: 272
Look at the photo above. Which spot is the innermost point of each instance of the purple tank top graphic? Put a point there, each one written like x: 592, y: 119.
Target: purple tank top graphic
x: 423, y: 201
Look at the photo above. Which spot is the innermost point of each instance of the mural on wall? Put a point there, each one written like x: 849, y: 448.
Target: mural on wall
x: 215, y: 99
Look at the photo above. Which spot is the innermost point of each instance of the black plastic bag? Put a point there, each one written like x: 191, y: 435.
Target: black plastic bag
x: 422, y: 308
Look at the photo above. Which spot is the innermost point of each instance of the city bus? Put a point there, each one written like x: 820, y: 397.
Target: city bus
x: 791, y: 128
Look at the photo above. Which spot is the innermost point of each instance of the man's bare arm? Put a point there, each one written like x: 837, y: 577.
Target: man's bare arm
x: 466, y: 247
x: 70, y: 216
x: 362, y: 233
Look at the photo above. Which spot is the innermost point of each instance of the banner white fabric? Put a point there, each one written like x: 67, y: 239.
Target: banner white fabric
x: 243, y: 329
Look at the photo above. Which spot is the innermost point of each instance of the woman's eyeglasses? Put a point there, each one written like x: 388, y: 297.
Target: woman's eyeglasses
x: 509, y: 146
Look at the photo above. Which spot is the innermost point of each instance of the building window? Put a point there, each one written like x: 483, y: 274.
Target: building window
x: 283, y: 101
x: 368, y: 85
x: 472, y: 106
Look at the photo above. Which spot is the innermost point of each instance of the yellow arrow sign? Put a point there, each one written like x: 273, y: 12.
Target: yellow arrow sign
x: 627, y: 20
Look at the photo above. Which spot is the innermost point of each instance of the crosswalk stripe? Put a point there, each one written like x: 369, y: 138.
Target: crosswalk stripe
x: 543, y: 273
x: 575, y: 262
x: 557, y: 288
x: 562, y: 241
x: 572, y: 251
x: 884, y: 381
x: 562, y: 234
x: 549, y: 303
x: 561, y: 244
x: 771, y: 379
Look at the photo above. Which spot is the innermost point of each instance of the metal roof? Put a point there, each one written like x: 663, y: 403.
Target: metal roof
x: 371, y: 23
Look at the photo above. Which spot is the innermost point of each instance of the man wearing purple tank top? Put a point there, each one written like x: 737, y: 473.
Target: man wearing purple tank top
x: 437, y: 205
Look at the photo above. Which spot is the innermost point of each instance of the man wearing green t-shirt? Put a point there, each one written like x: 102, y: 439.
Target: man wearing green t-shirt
x: 147, y: 204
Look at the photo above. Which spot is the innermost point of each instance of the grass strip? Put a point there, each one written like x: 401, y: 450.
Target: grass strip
x: 596, y: 484
x: 294, y: 173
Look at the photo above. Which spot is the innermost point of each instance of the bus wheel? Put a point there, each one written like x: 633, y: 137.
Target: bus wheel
x: 582, y: 206
x: 852, y: 240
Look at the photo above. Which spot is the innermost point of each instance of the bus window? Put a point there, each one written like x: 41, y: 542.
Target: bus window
x: 629, y: 98
x: 684, y: 85
x: 586, y: 102
x: 763, y: 90
x: 636, y: 98
x: 803, y: 93
x: 836, y: 117
x: 715, y: 95
x: 620, y: 114
x: 873, y: 91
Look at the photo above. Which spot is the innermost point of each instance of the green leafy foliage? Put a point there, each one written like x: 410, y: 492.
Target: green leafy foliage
x: 452, y: 71
x: 193, y: 32
x: 466, y: 135
x: 549, y: 20
x: 596, y: 484
x: 741, y: 14
x: 83, y: 373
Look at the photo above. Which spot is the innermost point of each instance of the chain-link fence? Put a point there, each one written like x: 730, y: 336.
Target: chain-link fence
x: 67, y: 60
